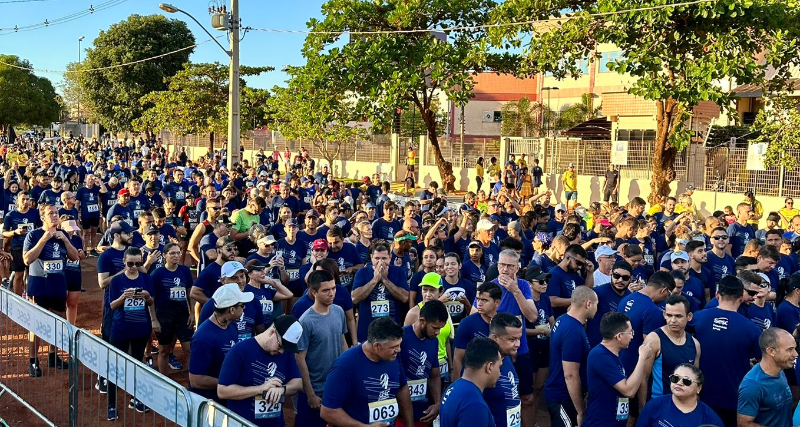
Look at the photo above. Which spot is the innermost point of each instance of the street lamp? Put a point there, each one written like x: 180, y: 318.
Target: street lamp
x: 80, y: 39
x: 548, y: 89
x: 234, y: 117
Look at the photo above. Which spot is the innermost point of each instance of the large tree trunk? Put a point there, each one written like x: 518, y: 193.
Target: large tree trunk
x: 211, y: 142
x: 664, y: 153
x: 445, y: 167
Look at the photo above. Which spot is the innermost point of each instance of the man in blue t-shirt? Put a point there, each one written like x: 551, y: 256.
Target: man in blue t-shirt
x: 476, y: 325
x: 764, y: 395
x: 719, y: 261
x: 463, y: 404
x: 367, y: 384
x: 567, y: 276
x: 379, y: 289
x: 214, y: 339
x: 259, y: 373
x: 728, y: 341
x: 419, y: 356
x: 504, y: 398
x: 16, y: 225
x: 645, y: 316
x: 569, y: 348
x: 741, y: 232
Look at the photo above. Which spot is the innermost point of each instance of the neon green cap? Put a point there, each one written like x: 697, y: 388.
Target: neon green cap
x: 433, y: 280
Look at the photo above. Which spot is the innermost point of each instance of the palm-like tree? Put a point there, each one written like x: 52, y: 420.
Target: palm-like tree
x: 524, y: 118
x: 577, y: 113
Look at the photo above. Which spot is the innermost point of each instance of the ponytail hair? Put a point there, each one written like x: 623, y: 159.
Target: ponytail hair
x: 785, y: 287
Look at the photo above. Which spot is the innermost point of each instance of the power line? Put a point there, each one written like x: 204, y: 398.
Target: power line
x: 21, y: 1
x: 44, y: 70
x: 60, y: 20
x: 476, y: 27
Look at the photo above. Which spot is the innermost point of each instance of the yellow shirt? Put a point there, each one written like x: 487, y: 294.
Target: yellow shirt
x: 788, y: 214
x: 493, y: 171
x: 570, y: 180
x: 22, y: 160
x: 522, y: 163
x: 758, y: 210
x: 479, y: 170
x: 12, y: 157
x: 412, y: 157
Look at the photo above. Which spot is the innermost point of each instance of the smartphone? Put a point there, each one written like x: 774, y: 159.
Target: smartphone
x: 279, y: 254
x: 137, y: 291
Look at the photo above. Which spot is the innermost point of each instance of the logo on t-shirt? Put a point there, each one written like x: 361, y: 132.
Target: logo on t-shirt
x: 177, y: 281
x: 423, y: 357
x: 720, y: 324
x: 56, y: 251
x: 271, y: 368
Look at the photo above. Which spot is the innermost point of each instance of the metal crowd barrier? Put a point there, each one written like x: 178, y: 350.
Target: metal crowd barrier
x: 212, y: 414
x: 169, y: 402
x: 46, y: 396
x: 68, y: 396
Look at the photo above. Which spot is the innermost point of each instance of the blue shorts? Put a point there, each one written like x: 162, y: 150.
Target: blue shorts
x: 571, y: 195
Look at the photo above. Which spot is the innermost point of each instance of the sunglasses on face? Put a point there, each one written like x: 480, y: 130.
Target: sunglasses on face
x: 577, y: 261
x: 675, y: 379
x: 134, y: 264
x: 621, y: 276
x: 720, y: 237
x: 751, y: 292
x: 215, y: 208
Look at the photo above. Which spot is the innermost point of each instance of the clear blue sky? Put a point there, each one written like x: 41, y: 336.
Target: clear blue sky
x: 54, y: 47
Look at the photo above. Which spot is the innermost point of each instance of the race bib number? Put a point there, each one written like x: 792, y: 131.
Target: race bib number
x: 444, y: 368
x: 112, y: 202
x: 92, y: 208
x: 346, y: 279
x: 12, y: 207
x: 180, y: 195
x: 137, y: 213
x: 55, y: 266
x: 134, y: 304
x: 76, y: 263
x: 265, y: 409
x: 267, y: 307
x: 623, y: 408
x: 455, y: 308
x: 418, y: 389
x: 177, y: 293
x: 384, y: 411
x: 294, y: 274
x: 245, y: 335
x: 649, y: 259
x: 28, y: 226
x: 379, y: 308
x: 513, y: 416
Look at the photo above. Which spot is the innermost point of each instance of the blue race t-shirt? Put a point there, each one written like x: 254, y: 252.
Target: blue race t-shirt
x: 561, y: 285
x: 661, y: 411
x: 463, y: 406
x: 473, y: 326
x: 508, y: 304
x: 607, y: 301
x: 365, y: 390
x: 606, y: 407
x: 46, y: 272
x: 759, y: 391
x: 247, y: 364
x: 245, y: 325
x: 788, y: 316
x: 568, y: 343
x: 720, y: 267
x: 132, y: 319
x: 645, y: 317
x: 17, y: 220
x: 739, y: 236
x: 728, y: 341
x: 418, y: 357
x: 210, y: 344
x: 346, y: 258
x: 208, y: 279
x: 503, y: 398
x: 379, y: 302
x: 90, y: 201
x: 171, y: 288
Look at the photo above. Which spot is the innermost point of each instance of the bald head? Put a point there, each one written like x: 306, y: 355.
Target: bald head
x: 581, y: 295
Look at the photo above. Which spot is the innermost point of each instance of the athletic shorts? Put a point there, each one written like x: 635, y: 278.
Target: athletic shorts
x: 87, y: 223
x: 410, y: 167
x: 571, y: 195
x: 173, y: 324
x: 74, y: 287
x: 17, y: 264
x: 524, y: 368
x: 540, y: 357
x: 53, y: 303
x: 562, y: 414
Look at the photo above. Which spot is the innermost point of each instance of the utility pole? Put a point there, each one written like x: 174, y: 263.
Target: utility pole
x: 234, y: 118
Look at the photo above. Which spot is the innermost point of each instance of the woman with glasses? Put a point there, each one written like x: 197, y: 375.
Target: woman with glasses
x: 787, y: 212
x: 130, y: 296
x: 683, y: 406
x: 171, y: 283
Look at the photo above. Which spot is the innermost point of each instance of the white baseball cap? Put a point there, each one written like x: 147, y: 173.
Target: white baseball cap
x: 230, y: 268
x: 485, y: 225
x: 679, y: 255
x: 230, y: 295
x: 604, y: 250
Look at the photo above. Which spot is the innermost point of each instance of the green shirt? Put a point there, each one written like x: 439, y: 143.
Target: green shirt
x: 243, y: 220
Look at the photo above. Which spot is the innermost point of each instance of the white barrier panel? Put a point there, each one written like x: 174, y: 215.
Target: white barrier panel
x: 53, y: 330
x: 212, y: 414
x: 156, y: 391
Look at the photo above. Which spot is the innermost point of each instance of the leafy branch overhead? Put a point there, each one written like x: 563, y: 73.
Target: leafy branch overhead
x: 779, y: 126
x: 678, y: 55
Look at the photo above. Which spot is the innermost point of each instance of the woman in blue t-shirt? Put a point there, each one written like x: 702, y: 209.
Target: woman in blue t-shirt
x: 683, y: 406
x: 460, y: 292
x: 131, y: 299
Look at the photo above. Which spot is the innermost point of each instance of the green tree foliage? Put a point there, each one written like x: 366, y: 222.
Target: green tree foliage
x: 678, y: 54
x: 74, y: 98
x: 388, y: 70
x: 24, y: 97
x: 524, y: 118
x: 576, y: 114
x: 196, y: 101
x: 313, y: 108
x: 114, y: 94
x: 779, y: 126
x: 412, y: 125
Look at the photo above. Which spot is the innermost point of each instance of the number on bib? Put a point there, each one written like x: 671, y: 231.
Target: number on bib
x: 513, y: 416
x: 383, y: 411
x: 92, y: 208
x: 266, y: 307
x: 379, y: 308
x: 55, y: 266
x: 177, y: 293
x: 623, y: 408
x: 418, y: 389
x: 134, y: 304
x: 294, y: 274
x: 455, y: 308
x: 264, y: 409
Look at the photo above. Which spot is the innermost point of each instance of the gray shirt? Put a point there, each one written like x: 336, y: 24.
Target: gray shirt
x: 322, y: 337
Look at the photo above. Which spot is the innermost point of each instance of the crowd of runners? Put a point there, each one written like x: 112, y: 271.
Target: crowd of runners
x: 285, y: 287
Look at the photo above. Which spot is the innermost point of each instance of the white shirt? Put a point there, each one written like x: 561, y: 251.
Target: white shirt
x: 600, y: 278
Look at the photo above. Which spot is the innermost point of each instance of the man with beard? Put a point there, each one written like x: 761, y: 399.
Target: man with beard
x: 698, y: 257
x: 345, y: 255
x: 403, y: 241
x: 122, y: 207
x: 213, y: 209
x: 504, y: 398
x: 566, y: 277
x: 208, y: 280
x: 718, y: 260
x: 386, y: 226
x: 380, y: 289
x: 311, y: 233
x: 608, y: 298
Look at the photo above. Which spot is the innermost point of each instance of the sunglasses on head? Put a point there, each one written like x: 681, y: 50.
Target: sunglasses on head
x: 675, y: 379
x: 720, y: 237
x: 134, y: 264
x: 621, y: 276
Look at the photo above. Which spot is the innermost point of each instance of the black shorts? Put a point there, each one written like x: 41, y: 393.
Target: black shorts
x: 410, y: 168
x: 74, y: 287
x: 511, y: 186
x: 87, y: 223
x: 540, y: 356
x: 173, y: 324
x: 17, y: 264
x: 524, y: 368
x: 53, y: 303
